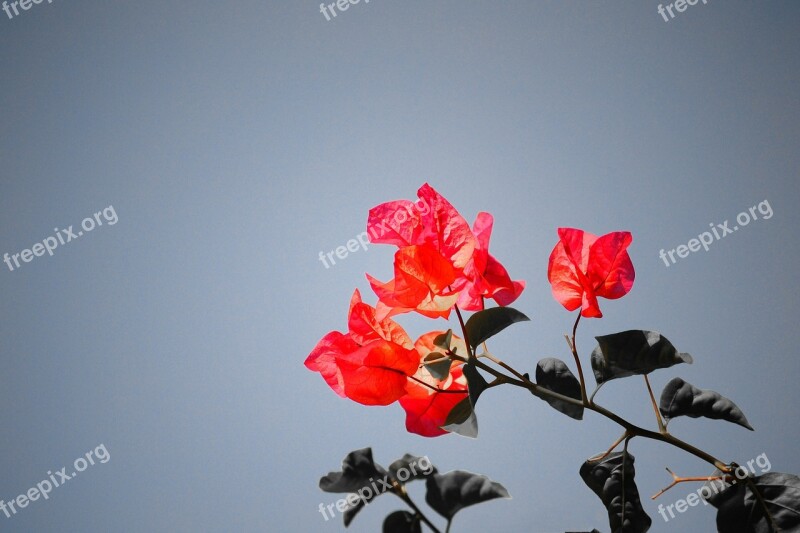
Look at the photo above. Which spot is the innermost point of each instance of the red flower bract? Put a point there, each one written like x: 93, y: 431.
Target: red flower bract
x: 371, y: 363
x: 421, y: 280
x: 584, y: 267
x: 430, y: 234
x: 431, y: 220
x: 376, y: 374
x: 484, y: 276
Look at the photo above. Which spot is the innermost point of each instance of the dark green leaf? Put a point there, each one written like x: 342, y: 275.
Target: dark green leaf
x: 475, y: 381
x: 438, y: 364
x: 462, y: 420
x: 459, y: 413
x: 410, y: 467
x: 739, y: 510
x: 357, y: 469
x: 449, y: 493
x: 360, y: 476
x: 632, y: 352
x: 489, y: 322
x: 680, y: 398
x: 612, y: 480
x: 401, y: 522
x: 443, y: 340
x: 553, y: 374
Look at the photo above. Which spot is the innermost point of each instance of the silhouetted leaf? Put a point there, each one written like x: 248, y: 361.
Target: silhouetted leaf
x: 680, y: 398
x: 449, y: 493
x: 361, y: 476
x: 632, y: 352
x: 554, y: 374
x: 416, y: 468
x: 357, y: 470
x: 606, y: 479
x: 438, y: 364
x: 489, y: 322
x: 462, y: 420
x: 475, y: 381
x: 459, y: 413
x: 443, y: 340
x: 739, y: 510
x: 401, y: 522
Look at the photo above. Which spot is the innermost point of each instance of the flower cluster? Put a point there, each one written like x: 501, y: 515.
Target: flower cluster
x: 442, y: 264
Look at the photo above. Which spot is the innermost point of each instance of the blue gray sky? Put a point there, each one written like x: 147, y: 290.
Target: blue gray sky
x: 235, y: 141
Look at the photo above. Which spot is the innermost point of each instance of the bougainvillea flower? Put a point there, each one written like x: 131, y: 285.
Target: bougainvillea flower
x: 584, y: 267
x: 371, y: 363
x: 365, y: 326
x: 431, y: 220
x: 426, y: 410
x: 322, y: 359
x: 422, y: 279
x: 377, y: 373
x: 484, y: 276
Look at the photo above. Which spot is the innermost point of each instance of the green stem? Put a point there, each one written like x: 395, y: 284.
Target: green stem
x: 464, y: 331
x: 574, y: 348
x: 661, y: 427
x: 632, y: 429
x: 437, y: 389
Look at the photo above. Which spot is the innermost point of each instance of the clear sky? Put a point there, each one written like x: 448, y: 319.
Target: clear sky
x: 234, y: 141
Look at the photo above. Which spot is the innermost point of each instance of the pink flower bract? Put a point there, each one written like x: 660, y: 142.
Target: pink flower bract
x: 584, y: 267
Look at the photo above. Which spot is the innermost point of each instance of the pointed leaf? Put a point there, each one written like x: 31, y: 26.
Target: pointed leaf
x: 632, y: 352
x: 415, y: 468
x: 554, y: 374
x: 680, y: 398
x: 443, y: 340
x: 438, y: 364
x: 475, y: 381
x: 459, y: 413
x: 357, y: 469
x: 462, y: 420
x: 612, y: 480
x: 449, y: 493
x: 489, y: 322
x: 401, y: 522
x: 739, y: 510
